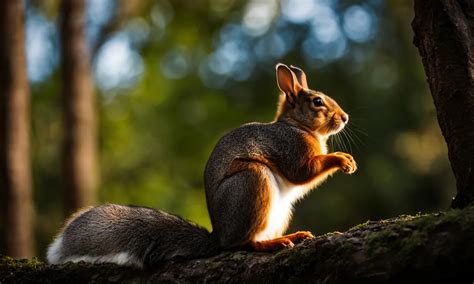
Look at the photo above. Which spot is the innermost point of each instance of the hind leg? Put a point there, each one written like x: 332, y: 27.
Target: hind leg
x: 272, y: 245
x: 240, y: 205
x: 299, y: 236
x: 286, y: 241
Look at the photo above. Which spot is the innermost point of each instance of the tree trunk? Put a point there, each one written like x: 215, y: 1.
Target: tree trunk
x: 79, y: 145
x: 435, y: 248
x: 444, y: 35
x: 15, y: 173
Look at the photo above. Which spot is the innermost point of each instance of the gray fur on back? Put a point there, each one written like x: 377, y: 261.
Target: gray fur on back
x: 147, y: 237
x: 277, y: 140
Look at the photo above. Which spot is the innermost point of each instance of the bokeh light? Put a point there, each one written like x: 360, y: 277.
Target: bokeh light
x: 41, y: 47
x: 258, y: 16
x: 359, y: 23
x: 175, y: 64
x: 117, y: 64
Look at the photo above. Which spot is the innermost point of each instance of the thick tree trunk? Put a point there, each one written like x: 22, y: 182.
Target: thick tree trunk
x: 436, y: 248
x: 15, y: 174
x: 79, y: 148
x: 444, y: 35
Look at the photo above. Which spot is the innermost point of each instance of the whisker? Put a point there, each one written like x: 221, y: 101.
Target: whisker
x: 355, y: 136
x: 337, y: 144
x: 349, y: 136
x: 331, y: 144
x: 349, y: 142
x: 356, y: 128
x: 342, y: 144
x: 336, y: 139
x: 344, y: 135
x: 356, y: 140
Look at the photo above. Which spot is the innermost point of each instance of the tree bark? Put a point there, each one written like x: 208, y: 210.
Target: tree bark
x: 15, y: 174
x: 444, y: 35
x: 435, y: 248
x: 79, y: 145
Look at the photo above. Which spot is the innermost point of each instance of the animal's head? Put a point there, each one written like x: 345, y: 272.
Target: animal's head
x: 305, y: 108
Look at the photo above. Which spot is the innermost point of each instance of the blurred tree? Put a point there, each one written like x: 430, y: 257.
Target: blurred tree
x: 15, y: 173
x: 444, y: 37
x: 79, y: 118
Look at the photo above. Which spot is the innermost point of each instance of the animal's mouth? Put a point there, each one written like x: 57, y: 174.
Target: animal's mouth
x: 335, y: 126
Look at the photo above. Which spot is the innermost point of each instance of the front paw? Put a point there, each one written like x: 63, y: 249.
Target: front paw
x: 347, y: 163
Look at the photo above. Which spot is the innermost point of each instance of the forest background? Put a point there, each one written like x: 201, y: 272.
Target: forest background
x: 171, y: 77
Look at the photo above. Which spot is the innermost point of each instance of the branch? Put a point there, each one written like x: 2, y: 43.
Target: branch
x: 445, y: 40
x: 422, y: 248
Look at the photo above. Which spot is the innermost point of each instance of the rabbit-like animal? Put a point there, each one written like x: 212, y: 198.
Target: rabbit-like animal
x: 257, y: 171
x: 252, y: 178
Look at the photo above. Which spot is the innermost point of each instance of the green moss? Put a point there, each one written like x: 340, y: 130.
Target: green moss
x: 238, y: 256
x: 360, y: 226
x: 306, y: 252
x: 397, y: 243
x: 410, y: 245
x: 214, y: 264
x: 6, y: 261
x: 345, y: 250
x: 405, y: 233
x: 379, y: 242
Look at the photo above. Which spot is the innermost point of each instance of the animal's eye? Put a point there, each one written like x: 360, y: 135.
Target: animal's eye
x: 318, y: 102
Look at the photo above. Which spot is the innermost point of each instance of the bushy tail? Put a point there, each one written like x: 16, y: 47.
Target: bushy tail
x: 130, y: 235
x: 185, y: 242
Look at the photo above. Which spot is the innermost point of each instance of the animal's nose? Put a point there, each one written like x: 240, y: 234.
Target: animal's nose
x: 345, y: 117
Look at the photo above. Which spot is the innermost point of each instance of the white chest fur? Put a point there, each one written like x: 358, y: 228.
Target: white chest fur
x: 283, y: 195
x: 323, y: 145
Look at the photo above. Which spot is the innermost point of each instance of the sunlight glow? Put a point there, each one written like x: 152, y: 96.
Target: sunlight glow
x: 98, y: 13
x: 271, y: 47
x: 298, y: 11
x: 258, y: 16
x: 325, y: 26
x: 175, y: 64
x: 231, y: 60
x: 41, y: 47
x: 359, y: 23
x: 117, y: 64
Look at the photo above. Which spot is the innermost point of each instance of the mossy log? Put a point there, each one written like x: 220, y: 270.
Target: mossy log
x: 424, y: 248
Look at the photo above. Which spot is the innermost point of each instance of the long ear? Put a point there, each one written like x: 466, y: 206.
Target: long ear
x: 300, y: 75
x: 287, y: 82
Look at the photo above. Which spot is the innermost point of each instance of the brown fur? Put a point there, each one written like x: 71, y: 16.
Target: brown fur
x: 281, y: 242
x: 238, y: 189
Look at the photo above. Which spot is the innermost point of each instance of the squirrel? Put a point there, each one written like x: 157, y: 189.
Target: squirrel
x: 253, y: 177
